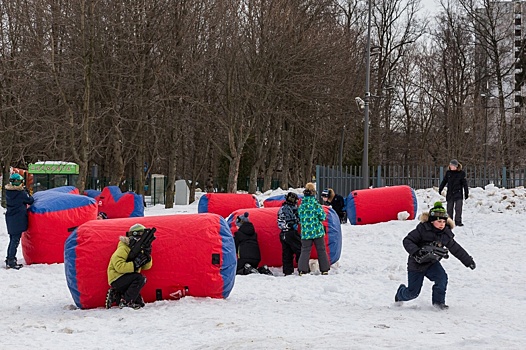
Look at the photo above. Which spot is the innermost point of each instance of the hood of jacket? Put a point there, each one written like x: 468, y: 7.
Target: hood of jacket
x: 424, y: 217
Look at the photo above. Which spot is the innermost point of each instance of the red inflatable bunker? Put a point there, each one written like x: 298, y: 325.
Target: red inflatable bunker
x: 194, y: 250
x: 120, y: 205
x: 52, y: 217
x: 371, y: 206
x: 225, y: 203
x: 277, y: 201
x: 266, y: 226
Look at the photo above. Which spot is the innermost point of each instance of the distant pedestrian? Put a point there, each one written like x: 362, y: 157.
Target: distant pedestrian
x: 336, y: 202
x: 288, y: 221
x: 427, y: 244
x: 311, y: 216
x: 455, y: 181
x: 17, y: 201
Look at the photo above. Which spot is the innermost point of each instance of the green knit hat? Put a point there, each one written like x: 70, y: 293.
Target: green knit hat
x: 437, y: 212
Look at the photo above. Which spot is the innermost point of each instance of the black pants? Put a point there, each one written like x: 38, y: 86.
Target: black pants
x: 290, y: 246
x: 130, y: 285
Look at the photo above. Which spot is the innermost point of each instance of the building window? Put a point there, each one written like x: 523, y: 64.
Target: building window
x: 517, y: 32
x: 518, y: 43
x: 517, y: 21
x: 517, y: 109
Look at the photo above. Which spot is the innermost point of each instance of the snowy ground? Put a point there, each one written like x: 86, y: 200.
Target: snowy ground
x: 352, y: 308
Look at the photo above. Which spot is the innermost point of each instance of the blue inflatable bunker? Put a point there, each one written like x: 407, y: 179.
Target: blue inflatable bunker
x: 265, y: 224
x: 52, y: 217
x: 120, y: 205
x: 225, y: 203
x: 374, y: 205
x: 194, y: 250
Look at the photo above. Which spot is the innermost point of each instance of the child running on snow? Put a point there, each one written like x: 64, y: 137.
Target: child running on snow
x: 427, y: 244
x: 288, y: 221
x: 124, y: 276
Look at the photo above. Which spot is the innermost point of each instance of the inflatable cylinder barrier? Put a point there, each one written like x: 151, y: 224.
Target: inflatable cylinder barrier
x: 51, y: 218
x: 266, y: 226
x: 371, y: 206
x: 120, y: 205
x: 193, y: 250
x: 225, y: 203
x: 277, y: 201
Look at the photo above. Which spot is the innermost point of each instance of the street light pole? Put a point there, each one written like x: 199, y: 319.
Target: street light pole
x: 365, y: 160
x: 485, y: 97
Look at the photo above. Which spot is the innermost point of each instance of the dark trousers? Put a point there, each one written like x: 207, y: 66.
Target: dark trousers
x: 130, y: 285
x: 455, y: 205
x: 290, y: 246
x: 306, y: 247
x: 435, y: 273
x: 14, y: 241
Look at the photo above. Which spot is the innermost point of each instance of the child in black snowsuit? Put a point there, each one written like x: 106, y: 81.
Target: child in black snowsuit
x: 288, y: 221
x: 247, y: 247
x: 427, y: 244
x: 17, y: 200
x: 455, y: 181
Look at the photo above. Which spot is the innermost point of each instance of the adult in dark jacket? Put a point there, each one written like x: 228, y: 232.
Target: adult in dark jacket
x: 290, y: 238
x: 247, y: 247
x: 455, y: 181
x: 336, y: 202
x: 17, y: 200
x: 427, y: 244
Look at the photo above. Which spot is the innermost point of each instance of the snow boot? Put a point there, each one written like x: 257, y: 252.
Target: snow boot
x: 441, y: 306
x: 397, y: 292
x: 12, y: 264
x: 264, y: 270
x: 248, y: 269
x: 112, y: 298
x: 123, y: 303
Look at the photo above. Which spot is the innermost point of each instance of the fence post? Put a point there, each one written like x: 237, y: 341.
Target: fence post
x: 504, y: 180
x: 379, y: 176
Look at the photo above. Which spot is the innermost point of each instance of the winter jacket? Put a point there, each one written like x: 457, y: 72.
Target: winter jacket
x: 118, y: 265
x: 311, y: 216
x: 246, y: 241
x: 424, y: 234
x: 17, y: 200
x: 288, y: 216
x: 337, y: 203
x: 455, y: 181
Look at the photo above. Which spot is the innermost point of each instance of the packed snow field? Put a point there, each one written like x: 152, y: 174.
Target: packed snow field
x: 352, y: 307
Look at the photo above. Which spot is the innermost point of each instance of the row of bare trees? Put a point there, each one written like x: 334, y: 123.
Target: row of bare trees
x: 242, y: 89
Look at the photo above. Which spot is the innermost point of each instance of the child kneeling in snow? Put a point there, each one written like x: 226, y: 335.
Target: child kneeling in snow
x: 427, y: 244
x: 124, y: 276
x: 247, y: 248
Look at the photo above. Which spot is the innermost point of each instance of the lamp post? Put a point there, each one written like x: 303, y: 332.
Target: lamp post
x: 365, y: 160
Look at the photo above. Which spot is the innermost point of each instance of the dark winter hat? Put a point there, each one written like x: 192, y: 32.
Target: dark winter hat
x: 291, y: 197
x: 437, y: 212
x: 325, y: 193
x: 241, y: 219
x: 454, y: 162
x: 103, y: 215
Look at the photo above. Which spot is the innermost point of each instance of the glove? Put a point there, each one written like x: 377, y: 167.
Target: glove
x: 147, y: 250
x: 140, y: 260
x: 472, y: 265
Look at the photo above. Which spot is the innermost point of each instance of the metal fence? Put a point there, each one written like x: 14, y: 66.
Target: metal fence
x: 347, y: 179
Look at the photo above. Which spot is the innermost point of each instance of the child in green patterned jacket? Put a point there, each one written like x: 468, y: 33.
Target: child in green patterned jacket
x: 311, y: 216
